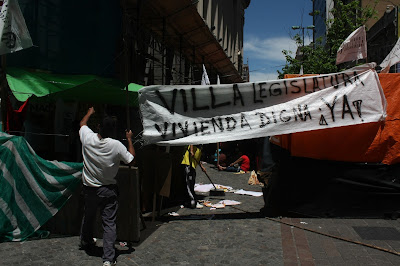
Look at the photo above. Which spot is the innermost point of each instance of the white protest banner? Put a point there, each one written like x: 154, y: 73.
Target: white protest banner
x: 392, y: 58
x: 204, y: 77
x: 200, y: 114
x: 13, y: 31
x: 354, y: 47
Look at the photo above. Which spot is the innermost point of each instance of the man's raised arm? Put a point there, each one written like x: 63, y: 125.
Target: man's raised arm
x: 131, y: 149
x: 86, y: 117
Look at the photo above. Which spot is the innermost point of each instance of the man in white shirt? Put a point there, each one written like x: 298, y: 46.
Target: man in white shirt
x: 101, y: 159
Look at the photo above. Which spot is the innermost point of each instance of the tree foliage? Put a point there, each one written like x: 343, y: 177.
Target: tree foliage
x: 320, y: 57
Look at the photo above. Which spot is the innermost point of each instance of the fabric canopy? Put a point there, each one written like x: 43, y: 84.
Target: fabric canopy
x: 32, y: 189
x: 370, y: 142
x: 84, y: 88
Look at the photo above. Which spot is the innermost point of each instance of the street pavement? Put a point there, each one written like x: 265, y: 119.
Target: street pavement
x: 236, y: 235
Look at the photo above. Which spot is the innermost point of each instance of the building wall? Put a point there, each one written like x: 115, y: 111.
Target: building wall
x: 228, y: 19
x: 381, y: 8
x: 321, y: 11
x: 68, y: 39
x: 89, y: 40
x: 382, y: 36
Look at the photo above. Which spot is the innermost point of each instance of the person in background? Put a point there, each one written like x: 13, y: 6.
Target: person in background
x: 102, y: 155
x: 243, y: 163
x: 190, y: 160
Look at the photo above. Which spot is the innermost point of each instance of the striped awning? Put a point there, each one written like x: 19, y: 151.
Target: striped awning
x: 32, y: 190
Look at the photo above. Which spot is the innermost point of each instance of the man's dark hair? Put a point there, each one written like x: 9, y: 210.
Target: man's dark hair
x: 108, y: 128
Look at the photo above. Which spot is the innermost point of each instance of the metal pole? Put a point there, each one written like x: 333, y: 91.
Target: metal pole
x: 194, y: 61
x: 180, y: 60
x: 163, y: 79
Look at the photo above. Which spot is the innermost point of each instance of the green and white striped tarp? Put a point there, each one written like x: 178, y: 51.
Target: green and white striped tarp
x: 32, y: 190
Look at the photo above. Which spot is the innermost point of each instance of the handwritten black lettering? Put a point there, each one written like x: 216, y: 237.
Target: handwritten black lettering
x: 243, y: 121
x: 331, y: 107
x: 174, y: 129
x: 292, y: 83
x: 301, y: 112
x: 346, y: 78
x: 184, y: 100
x: 230, y: 127
x: 357, y: 78
x: 322, y: 121
x: 334, y: 77
x: 286, y: 118
x: 323, y: 80
x: 215, y: 124
x: 204, y: 127
x: 275, y: 91
x: 346, y: 107
x: 273, y: 116
x: 184, y: 129
x: 255, y: 100
x: 172, y: 108
x: 263, y: 91
x: 357, y: 105
x: 316, y: 85
x: 237, y: 95
x: 162, y: 132
x: 305, y: 86
x: 263, y: 122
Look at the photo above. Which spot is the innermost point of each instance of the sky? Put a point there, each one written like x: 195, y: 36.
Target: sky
x: 268, y: 31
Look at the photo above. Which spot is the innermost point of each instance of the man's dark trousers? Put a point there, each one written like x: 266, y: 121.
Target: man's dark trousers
x: 105, y: 198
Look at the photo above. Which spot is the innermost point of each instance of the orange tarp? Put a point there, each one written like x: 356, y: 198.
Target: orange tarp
x: 371, y: 142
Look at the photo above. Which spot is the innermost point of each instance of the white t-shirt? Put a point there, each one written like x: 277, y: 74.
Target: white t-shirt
x: 101, y: 158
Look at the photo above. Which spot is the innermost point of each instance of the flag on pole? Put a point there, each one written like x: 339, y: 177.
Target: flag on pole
x: 13, y: 31
x: 354, y: 47
x: 204, y: 77
x: 392, y: 58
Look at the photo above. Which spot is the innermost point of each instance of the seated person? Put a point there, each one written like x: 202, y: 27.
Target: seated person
x: 222, y: 160
x: 243, y: 161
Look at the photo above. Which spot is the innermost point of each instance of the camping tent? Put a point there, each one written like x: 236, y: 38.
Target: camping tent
x: 370, y: 142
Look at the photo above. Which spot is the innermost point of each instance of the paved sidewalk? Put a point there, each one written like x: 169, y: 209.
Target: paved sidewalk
x: 230, y: 236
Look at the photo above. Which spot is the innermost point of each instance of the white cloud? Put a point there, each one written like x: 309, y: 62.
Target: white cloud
x: 265, y: 56
x: 270, y: 48
x: 262, y: 76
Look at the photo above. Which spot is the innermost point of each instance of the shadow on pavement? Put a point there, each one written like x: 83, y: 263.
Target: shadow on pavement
x: 97, y: 251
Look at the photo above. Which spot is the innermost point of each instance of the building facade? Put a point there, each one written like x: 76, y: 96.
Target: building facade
x: 145, y: 42
x: 321, y: 15
x: 171, y: 40
x: 382, y: 29
x: 151, y: 42
x: 382, y: 37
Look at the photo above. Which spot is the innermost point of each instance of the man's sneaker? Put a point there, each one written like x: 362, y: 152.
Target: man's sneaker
x: 108, y: 263
x: 199, y: 206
